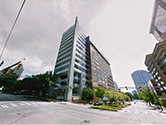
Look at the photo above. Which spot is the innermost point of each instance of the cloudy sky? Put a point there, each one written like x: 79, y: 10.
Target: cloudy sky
x: 119, y: 28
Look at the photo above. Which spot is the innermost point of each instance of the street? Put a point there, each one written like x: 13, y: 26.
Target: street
x: 16, y: 109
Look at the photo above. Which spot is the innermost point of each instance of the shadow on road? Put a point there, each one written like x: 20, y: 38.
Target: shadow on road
x: 10, y: 97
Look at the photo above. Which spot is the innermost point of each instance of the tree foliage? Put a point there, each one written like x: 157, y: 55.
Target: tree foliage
x: 114, y: 96
x: 35, y: 85
x: 129, y: 94
x: 100, y: 92
x: 88, y: 93
x: 147, y: 95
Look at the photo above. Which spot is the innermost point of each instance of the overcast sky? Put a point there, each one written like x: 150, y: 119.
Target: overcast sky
x: 119, y: 28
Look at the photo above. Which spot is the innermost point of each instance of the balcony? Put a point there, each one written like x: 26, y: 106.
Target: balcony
x: 63, y: 80
x: 75, y: 85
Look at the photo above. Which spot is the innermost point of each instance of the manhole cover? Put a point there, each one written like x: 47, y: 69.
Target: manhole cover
x: 87, y: 121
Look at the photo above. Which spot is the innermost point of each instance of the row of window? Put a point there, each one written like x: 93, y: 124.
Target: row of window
x: 105, y: 75
x: 99, y: 58
x: 100, y: 81
x: 101, y: 68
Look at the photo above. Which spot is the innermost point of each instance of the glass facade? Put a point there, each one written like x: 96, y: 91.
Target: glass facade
x: 158, y: 26
x: 74, y: 66
x: 140, y: 78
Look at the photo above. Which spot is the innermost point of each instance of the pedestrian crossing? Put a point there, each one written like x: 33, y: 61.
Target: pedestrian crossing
x: 156, y: 113
x: 21, y: 104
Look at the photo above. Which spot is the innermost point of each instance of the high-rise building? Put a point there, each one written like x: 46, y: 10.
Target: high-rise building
x: 80, y: 65
x: 140, y: 78
x: 156, y: 64
x: 158, y: 24
x: 156, y: 61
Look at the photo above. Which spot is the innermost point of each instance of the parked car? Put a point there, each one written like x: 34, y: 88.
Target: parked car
x: 107, y: 102
x: 98, y: 103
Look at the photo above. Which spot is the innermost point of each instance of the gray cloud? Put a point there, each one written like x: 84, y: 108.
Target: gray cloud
x: 38, y: 32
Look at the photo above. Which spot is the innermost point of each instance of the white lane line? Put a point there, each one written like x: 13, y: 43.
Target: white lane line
x: 34, y: 103
x: 21, y: 104
x: 136, y: 112
x: 26, y: 103
x: 14, y: 105
x: 133, y: 119
x: 128, y: 111
x: 4, y: 106
x: 145, y: 113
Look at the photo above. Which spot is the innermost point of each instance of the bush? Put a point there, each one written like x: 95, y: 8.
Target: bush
x: 104, y: 107
x: 163, y: 102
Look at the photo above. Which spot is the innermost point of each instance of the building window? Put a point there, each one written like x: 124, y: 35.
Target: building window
x: 94, y: 78
x: 99, y: 76
x: 94, y: 73
x: 99, y: 80
x: 94, y: 68
x: 95, y: 84
x: 75, y: 90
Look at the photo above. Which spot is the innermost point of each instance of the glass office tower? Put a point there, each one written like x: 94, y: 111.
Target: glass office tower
x: 74, y: 65
x: 141, y: 78
x: 72, y: 61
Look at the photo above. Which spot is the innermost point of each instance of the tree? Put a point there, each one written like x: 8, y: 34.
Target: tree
x: 88, y: 93
x: 129, y: 94
x: 135, y: 96
x: 112, y: 96
x: 100, y: 92
x: 147, y: 95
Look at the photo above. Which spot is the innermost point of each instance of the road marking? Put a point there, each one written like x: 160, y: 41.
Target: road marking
x: 134, y: 119
x: 128, y: 111
x: 26, y: 103
x: 21, y: 104
x: 14, y: 105
x: 136, y: 112
x: 34, y: 103
x: 145, y: 113
x: 4, y: 106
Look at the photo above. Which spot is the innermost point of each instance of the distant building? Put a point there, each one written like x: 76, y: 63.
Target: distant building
x: 19, y: 70
x: 11, y: 71
x: 140, y: 78
x: 134, y: 92
x: 159, y: 20
x: 116, y: 86
x: 79, y: 65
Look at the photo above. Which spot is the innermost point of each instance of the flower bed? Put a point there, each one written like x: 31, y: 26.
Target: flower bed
x: 111, y: 108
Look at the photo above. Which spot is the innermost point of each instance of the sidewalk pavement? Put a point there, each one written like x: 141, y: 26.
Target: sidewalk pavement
x: 159, y: 110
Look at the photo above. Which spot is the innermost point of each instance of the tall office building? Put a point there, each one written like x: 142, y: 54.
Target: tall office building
x: 80, y: 65
x: 158, y: 24
x: 140, y: 78
x: 156, y: 61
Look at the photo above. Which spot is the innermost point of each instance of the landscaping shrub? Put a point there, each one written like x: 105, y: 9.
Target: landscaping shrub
x: 104, y: 107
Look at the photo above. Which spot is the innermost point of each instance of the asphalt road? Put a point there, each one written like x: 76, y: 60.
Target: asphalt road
x: 20, y: 110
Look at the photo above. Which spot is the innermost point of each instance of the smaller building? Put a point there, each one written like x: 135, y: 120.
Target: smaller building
x: 116, y: 86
